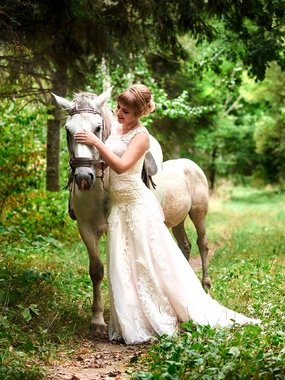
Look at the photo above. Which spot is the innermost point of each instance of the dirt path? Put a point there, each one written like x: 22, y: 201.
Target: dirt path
x: 101, y: 359
x: 97, y: 360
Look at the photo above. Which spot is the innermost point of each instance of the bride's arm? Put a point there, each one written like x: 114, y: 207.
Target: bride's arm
x: 136, y: 148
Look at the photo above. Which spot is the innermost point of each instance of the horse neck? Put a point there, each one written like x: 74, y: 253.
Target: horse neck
x: 102, y: 180
x: 109, y: 121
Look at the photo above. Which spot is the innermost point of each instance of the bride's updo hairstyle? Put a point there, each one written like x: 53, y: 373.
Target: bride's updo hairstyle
x: 138, y: 98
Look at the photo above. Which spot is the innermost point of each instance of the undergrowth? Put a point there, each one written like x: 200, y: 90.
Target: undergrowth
x: 247, y: 271
x: 45, y: 289
x: 45, y: 292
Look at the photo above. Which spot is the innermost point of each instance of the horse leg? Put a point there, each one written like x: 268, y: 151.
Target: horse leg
x: 182, y: 239
x: 198, y: 218
x: 96, y: 272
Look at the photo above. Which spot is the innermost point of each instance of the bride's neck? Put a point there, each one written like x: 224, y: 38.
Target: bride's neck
x: 127, y: 128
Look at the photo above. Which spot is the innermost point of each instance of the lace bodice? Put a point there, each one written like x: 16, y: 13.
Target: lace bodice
x: 125, y: 187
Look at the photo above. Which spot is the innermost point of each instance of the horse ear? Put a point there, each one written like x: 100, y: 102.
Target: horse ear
x: 102, y: 98
x: 62, y: 102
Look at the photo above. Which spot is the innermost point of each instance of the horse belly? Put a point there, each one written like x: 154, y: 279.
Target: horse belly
x: 177, y: 196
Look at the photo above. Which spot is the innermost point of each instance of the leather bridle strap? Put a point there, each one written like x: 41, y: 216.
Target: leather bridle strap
x: 77, y: 162
x: 75, y: 111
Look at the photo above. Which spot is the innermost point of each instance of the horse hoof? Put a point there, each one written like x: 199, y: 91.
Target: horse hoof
x: 98, y: 331
x: 206, y: 283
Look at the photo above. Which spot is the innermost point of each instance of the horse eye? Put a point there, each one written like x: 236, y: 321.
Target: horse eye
x: 98, y: 129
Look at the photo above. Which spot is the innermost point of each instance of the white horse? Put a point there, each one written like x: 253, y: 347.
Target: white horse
x: 181, y: 187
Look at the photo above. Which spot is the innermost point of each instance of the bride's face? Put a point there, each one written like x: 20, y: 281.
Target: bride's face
x: 126, y: 115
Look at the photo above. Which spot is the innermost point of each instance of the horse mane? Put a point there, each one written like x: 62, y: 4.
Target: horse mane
x: 108, y: 118
x: 84, y: 98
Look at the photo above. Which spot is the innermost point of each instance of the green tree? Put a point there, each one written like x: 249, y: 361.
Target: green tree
x: 54, y: 44
x: 22, y: 158
x: 269, y: 133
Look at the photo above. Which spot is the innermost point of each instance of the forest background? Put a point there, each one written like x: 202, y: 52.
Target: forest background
x: 216, y: 69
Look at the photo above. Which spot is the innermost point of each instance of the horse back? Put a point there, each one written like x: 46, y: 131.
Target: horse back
x: 184, y: 186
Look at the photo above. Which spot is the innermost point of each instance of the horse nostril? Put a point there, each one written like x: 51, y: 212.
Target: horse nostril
x: 84, y: 178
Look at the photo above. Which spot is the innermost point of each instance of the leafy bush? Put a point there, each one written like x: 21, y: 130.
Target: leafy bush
x: 22, y: 152
x: 35, y: 214
x: 201, y: 352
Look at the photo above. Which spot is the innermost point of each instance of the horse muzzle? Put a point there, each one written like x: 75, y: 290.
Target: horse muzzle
x: 84, y: 178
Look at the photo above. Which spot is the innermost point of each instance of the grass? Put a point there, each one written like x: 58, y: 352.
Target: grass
x: 45, y: 289
x: 45, y: 292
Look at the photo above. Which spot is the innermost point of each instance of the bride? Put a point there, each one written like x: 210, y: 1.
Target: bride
x: 152, y: 286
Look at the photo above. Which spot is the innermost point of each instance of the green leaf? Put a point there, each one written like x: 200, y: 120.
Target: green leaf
x: 234, y: 351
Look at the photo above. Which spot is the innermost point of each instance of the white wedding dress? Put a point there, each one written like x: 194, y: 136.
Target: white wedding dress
x: 152, y: 286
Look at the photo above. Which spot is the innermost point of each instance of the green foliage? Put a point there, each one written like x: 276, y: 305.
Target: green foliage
x: 200, y: 352
x: 229, y: 147
x: 208, y: 110
x: 37, y: 313
x: 45, y: 292
x: 174, y: 113
x: 265, y: 132
x: 47, y: 46
x: 220, y: 120
x: 38, y: 214
x: 22, y: 150
x: 270, y: 122
x: 45, y: 289
x: 244, y: 135
x: 126, y: 28
x: 248, y: 275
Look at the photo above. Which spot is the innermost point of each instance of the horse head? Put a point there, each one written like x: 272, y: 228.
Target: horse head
x: 86, y: 112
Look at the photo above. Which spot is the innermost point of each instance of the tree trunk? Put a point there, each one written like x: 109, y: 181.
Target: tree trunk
x: 52, y: 160
x: 53, y: 133
x: 212, y: 170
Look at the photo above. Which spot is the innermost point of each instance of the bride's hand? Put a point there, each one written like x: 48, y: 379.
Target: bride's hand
x: 86, y: 137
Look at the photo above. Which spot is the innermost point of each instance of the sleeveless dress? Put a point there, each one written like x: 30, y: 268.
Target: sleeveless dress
x: 151, y: 284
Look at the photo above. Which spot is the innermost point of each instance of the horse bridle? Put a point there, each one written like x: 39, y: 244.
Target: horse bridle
x: 76, y: 162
